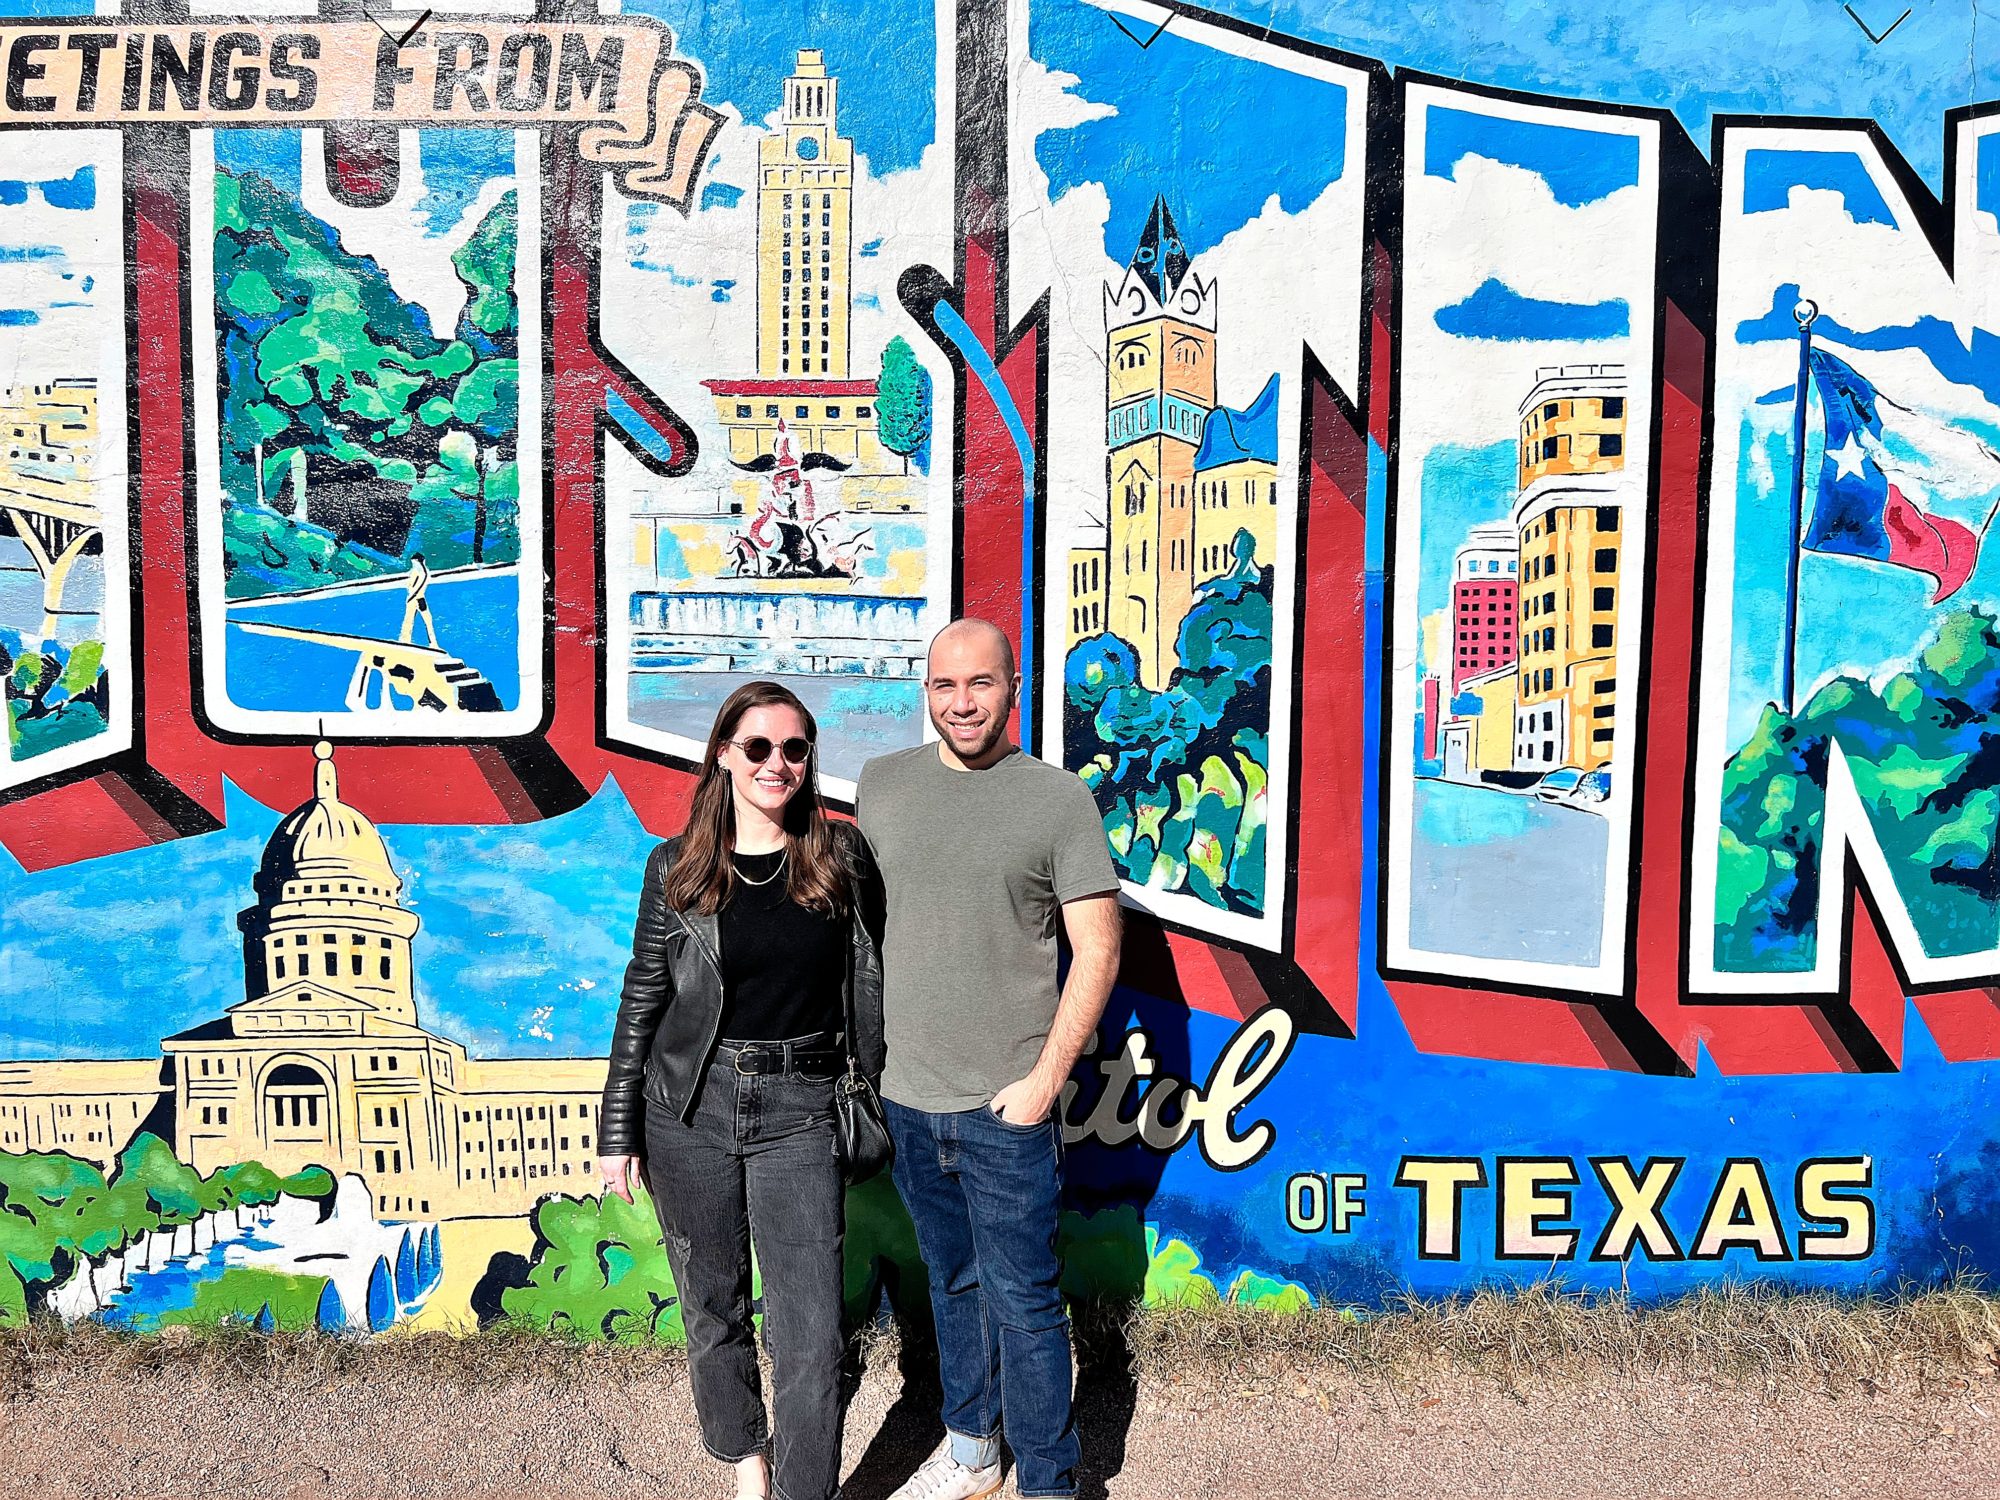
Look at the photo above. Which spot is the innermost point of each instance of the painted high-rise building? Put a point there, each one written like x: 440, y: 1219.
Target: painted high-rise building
x: 805, y: 378
x: 1569, y: 524
x: 805, y: 231
x: 1484, y: 632
x: 1160, y: 387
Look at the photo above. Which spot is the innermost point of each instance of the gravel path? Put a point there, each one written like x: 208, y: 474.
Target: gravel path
x: 404, y: 1432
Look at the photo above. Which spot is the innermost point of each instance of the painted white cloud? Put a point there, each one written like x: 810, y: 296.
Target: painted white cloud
x: 1492, y: 221
x: 67, y: 293
x: 1864, y: 277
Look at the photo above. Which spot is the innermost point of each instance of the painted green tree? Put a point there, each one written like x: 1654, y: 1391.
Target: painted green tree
x: 598, y: 1271
x: 58, y: 1213
x: 56, y: 695
x: 1924, y: 751
x: 903, y: 404
x: 1180, y: 774
x: 352, y: 436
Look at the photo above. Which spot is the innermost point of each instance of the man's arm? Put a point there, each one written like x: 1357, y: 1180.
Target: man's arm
x: 1093, y: 926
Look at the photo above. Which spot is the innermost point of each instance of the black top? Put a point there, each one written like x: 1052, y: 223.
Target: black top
x: 782, y: 965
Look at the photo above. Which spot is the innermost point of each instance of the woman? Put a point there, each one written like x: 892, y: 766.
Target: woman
x: 730, y: 1035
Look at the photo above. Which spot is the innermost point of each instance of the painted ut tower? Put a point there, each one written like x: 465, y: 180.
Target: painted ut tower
x: 805, y: 192
x: 1160, y: 385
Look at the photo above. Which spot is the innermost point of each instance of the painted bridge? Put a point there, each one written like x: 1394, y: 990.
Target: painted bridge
x: 48, y: 436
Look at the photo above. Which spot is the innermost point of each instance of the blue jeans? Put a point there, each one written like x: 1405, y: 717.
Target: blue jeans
x: 984, y: 1196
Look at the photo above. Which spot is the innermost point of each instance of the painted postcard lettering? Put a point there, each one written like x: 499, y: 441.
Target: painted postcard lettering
x: 809, y: 541
x: 367, y: 404
x: 1520, y: 519
x: 65, y: 584
x: 1850, y: 687
x: 1187, y: 284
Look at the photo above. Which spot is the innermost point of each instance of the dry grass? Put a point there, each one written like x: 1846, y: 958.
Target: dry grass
x: 1741, y: 1334
x: 1745, y: 1334
x: 236, y: 1351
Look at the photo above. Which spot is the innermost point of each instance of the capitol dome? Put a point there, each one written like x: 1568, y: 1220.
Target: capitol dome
x: 326, y: 848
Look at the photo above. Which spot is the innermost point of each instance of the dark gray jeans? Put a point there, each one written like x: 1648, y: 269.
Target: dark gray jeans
x: 756, y: 1162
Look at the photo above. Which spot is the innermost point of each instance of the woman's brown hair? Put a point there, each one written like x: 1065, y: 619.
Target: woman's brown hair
x: 703, y: 877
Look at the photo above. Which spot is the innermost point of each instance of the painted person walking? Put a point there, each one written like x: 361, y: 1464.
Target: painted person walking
x: 984, y: 850
x: 747, y: 958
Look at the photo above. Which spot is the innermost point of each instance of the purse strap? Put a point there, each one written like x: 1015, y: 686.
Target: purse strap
x: 847, y: 1003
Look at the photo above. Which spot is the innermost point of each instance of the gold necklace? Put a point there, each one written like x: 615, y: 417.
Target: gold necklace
x: 768, y: 878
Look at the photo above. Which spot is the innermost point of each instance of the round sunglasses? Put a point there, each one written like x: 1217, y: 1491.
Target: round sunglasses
x: 757, y: 749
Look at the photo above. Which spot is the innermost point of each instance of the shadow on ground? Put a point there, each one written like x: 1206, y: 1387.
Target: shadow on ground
x: 1107, y: 1395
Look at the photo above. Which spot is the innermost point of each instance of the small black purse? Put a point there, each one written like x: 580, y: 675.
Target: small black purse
x: 860, y: 1133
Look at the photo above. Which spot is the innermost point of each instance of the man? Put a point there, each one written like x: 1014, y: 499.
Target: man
x: 982, y: 847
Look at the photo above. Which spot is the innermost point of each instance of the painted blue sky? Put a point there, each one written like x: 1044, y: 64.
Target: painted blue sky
x: 1986, y: 175
x: 1462, y: 488
x: 525, y: 933
x: 457, y: 164
x: 46, y: 221
x: 1579, y: 165
x: 1934, y: 338
x: 884, y: 52
x: 271, y: 154
x: 1496, y: 311
x: 1770, y: 176
x: 1710, y: 57
x: 1180, y: 128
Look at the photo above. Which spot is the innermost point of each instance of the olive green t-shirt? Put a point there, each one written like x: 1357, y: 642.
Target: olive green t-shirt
x: 975, y: 868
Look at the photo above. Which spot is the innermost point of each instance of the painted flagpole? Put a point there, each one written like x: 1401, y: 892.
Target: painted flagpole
x: 1804, y: 313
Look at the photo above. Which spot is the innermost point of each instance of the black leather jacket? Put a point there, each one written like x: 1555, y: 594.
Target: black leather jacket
x: 670, y: 1013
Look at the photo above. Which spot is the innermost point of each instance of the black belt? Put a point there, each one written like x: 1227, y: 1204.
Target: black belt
x: 811, y: 1054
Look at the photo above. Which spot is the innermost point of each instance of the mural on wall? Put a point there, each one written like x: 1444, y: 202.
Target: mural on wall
x: 325, y: 1065
x: 809, y: 541
x: 371, y: 515
x: 1180, y: 331
x: 1850, y: 682
x: 1562, y: 560
x: 64, y: 545
x: 1520, y: 524
x: 362, y: 1137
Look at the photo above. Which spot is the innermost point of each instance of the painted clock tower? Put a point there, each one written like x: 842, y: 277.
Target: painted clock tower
x: 805, y: 195
x: 1160, y: 386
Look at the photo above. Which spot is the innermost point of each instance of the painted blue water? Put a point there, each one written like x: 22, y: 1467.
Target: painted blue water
x: 477, y: 619
x: 21, y: 596
x: 172, y: 1287
x: 858, y: 717
x: 1495, y: 874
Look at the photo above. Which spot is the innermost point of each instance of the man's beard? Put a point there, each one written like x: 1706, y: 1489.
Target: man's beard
x: 996, y: 731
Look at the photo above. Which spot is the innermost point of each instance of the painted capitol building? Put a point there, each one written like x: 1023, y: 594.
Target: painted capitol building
x: 324, y: 1062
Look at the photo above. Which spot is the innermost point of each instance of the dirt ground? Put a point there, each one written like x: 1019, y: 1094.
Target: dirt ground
x: 402, y: 1431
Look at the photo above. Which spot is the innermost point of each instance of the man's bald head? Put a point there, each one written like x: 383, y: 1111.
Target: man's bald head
x: 968, y: 635
x: 969, y: 685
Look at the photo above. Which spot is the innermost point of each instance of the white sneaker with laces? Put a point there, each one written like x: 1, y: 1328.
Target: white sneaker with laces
x: 944, y: 1478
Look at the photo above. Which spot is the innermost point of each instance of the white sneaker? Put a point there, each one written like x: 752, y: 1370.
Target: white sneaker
x: 944, y: 1478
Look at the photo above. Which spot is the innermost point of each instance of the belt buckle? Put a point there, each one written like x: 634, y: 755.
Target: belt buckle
x: 741, y: 1054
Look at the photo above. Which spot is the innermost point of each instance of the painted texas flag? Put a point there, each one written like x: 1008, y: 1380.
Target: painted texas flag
x: 1888, y: 477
